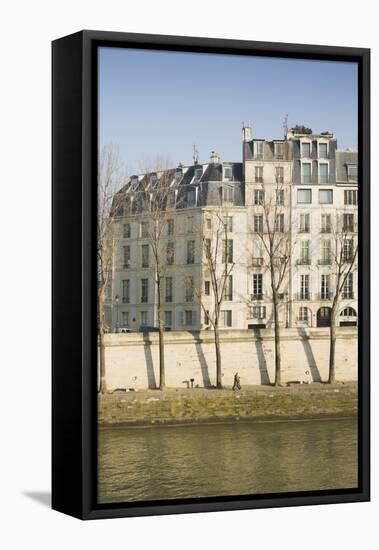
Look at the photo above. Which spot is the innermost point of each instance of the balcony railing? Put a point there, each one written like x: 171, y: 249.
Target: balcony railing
x: 256, y: 297
x: 257, y: 262
x: 326, y: 229
x: 258, y: 179
x: 325, y: 261
x: 303, y: 261
x: 303, y: 296
x: 125, y: 300
x: 348, y: 295
x: 326, y: 295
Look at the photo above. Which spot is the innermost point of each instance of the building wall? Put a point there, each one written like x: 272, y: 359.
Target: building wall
x: 132, y: 359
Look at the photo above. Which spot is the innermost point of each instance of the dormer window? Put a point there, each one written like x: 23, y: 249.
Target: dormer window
x: 198, y: 173
x: 178, y: 175
x: 134, y: 181
x: 306, y: 149
x: 228, y: 173
x: 258, y: 150
x: 352, y: 173
x: 154, y: 181
x: 279, y: 150
x: 191, y: 197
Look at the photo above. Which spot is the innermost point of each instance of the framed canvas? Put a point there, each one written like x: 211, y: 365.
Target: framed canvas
x: 211, y: 334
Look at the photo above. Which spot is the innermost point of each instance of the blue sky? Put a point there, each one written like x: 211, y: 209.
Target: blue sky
x: 161, y: 103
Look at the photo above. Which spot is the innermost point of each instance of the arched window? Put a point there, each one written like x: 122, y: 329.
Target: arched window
x: 324, y: 317
x: 348, y: 317
x: 348, y: 312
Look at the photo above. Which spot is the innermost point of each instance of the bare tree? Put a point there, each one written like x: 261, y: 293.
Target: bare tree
x: 344, y: 260
x: 274, y: 233
x: 110, y: 177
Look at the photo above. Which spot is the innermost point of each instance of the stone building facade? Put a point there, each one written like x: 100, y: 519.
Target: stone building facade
x: 302, y: 185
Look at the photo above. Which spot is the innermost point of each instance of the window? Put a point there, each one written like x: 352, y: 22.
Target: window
x: 228, y: 173
x: 258, y: 150
x: 188, y: 318
x: 227, y: 251
x: 259, y: 197
x: 126, y: 231
x: 304, y: 314
x: 279, y: 150
x: 350, y: 197
x: 325, y: 287
x: 170, y: 253
x: 189, y: 289
x: 134, y: 181
x: 348, y: 222
x: 258, y: 312
x: 323, y: 150
x: 198, y: 173
x: 190, y: 224
x: 154, y: 181
x: 145, y: 255
x: 144, y: 290
x: 144, y: 319
x: 190, y: 252
x: 168, y: 290
x: 228, y: 223
x: 228, y: 289
x: 348, y: 312
x: 178, y: 175
x: 257, y: 286
x: 171, y: 198
x: 191, y: 197
x: 279, y: 223
x: 304, y: 196
x: 144, y: 229
x: 325, y: 196
x: 279, y: 174
x: 280, y: 197
x: 352, y: 172
x: 125, y: 291
x: 259, y: 174
x: 170, y: 227
x: 306, y: 150
x: 304, y: 287
x: 168, y: 320
x: 305, y: 223
x: 323, y: 173
x: 347, y: 290
x: 228, y: 195
x: 208, y: 249
x: 304, y: 253
x: 347, y: 251
x: 258, y: 223
x: 125, y: 318
x: 325, y: 252
x: 209, y: 223
x: 126, y: 256
x: 326, y: 223
x: 226, y: 318
x: 306, y: 172
x: 207, y: 288
x: 206, y: 317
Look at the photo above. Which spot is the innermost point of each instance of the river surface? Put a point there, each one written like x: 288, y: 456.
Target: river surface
x: 226, y: 459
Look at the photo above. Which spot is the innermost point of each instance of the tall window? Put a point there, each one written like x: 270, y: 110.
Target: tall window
x: 206, y: 317
x: 258, y: 223
x: 126, y: 256
x: 304, y: 196
x: 168, y: 290
x: 280, y: 197
x: 228, y: 173
x: 178, y: 175
x: 348, y: 222
x: 323, y: 150
x: 170, y: 227
x: 170, y: 253
x: 352, y: 173
x: 227, y: 251
x: 198, y: 173
x: 350, y: 196
x: 145, y: 255
x: 259, y: 174
x: 279, y: 223
x: 189, y: 289
x: 279, y: 174
x: 305, y: 223
x: 304, y: 287
x: 168, y: 320
x: 207, y: 288
x: 191, y: 197
x: 306, y: 150
x: 278, y: 150
x: 226, y: 318
x: 325, y: 287
x: 258, y: 150
x: 125, y: 318
x: 258, y: 285
x: 144, y: 319
x: 228, y: 195
x: 326, y: 223
x: 306, y: 170
x: 325, y: 252
x: 325, y: 196
x: 304, y: 253
x: 347, y: 251
x: 125, y: 291
x: 228, y: 290
x: 144, y: 229
x: 190, y: 252
x: 208, y: 248
x: 144, y: 290
x: 258, y: 196
x: 171, y: 198
x: 153, y: 180
x: 304, y: 314
x: 188, y: 318
x: 347, y: 290
x: 126, y: 232
x: 323, y: 172
x: 228, y: 223
x: 190, y: 224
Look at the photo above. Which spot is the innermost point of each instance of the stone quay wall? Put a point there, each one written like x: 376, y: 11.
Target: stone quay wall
x: 132, y: 359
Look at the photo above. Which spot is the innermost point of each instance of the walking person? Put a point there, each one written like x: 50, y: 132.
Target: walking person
x: 236, y: 382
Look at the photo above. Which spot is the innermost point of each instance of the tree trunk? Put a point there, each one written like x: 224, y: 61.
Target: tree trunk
x: 332, y: 348
x: 218, y: 356
x: 103, y: 381
x: 162, y: 377
x: 278, y: 373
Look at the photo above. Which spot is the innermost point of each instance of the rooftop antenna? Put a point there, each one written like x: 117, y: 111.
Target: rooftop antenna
x: 285, y: 125
x: 195, y: 155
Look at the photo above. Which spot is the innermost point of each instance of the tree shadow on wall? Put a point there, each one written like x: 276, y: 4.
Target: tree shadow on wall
x: 202, y: 360
x: 316, y: 377
x: 262, y: 363
x: 151, y: 381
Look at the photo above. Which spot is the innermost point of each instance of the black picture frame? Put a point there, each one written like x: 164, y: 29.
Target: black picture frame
x: 74, y: 388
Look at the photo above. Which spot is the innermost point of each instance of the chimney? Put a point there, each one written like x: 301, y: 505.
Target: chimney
x: 215, y: 158
x: 246, y: 132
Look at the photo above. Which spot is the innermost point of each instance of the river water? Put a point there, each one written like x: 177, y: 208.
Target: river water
x: 226, y: 459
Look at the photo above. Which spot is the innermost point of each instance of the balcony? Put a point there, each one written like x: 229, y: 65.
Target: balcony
x: 126, y: 265
x: 303, y: 261
x: 325, y: 261
x: 256, y: 297
x: 257, y: 262
x: 348, y: 295
x: 258, y: 179
x: 326, y: 229
x: 279, y: 179
x: 325, y: 295
x: 258, y: 156
x: 303, y: 296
